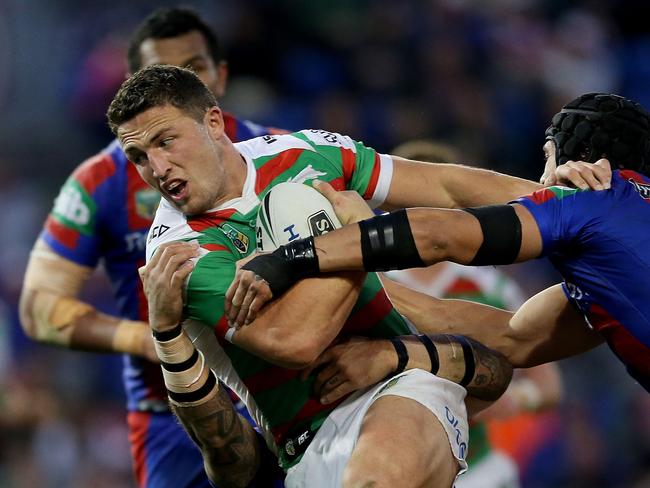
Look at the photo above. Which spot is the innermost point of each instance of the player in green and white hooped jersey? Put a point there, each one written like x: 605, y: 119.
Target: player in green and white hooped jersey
x: 171, y: 128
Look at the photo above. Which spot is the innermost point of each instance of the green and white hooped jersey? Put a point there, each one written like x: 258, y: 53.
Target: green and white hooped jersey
x: 279, y: 401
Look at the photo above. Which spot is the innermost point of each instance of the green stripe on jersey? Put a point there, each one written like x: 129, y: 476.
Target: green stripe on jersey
x: 74, y: 208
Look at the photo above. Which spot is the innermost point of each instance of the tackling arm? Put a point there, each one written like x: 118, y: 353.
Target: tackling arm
x: 50, y: 311
x: 419, y: 184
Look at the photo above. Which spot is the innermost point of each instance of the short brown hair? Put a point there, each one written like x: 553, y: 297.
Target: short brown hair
x: 156, y: 86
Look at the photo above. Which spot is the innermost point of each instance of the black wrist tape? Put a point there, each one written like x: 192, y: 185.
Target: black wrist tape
x: 402, y: 355
x: 432, y: 350
x: 387, y: 243
x: 195, y: 396
x: 501, y: 234
x: 468, y: 354
x: 286, y: 265
x: 182, y: 366
x: 167, y: 335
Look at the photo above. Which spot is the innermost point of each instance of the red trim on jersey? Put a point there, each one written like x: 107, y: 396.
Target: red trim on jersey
x: 541, y: 196
x: 308, y: 410
x: 207, y: 220
x: 230, y: 126
x: 134, y: 184
x: 269, y: 378
x: 338, y: 183
x: 349, y: 159
x: 214, y: 247
x: 275, y: 167
x: 374, y: 177
x: 138, y: 423
x: 94, y: 171
x: 66, y: 236
x: 628, y: 174
x: 627, y: 347
x: 369, y: 315
x: 220, y: 329
x: 463, y: 285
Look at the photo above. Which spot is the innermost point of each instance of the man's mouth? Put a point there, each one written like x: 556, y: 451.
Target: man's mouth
x: 176, y: 189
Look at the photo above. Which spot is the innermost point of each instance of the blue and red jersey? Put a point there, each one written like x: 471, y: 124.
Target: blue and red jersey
x: 600, y: 243
x: 103, y: 214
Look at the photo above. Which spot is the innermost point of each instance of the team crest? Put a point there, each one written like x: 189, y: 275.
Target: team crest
x: 146, y: 203
x: 239, y: 239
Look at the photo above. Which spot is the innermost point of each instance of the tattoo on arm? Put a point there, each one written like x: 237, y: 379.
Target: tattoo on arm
x: 228, y: 443
x: 492, y: 371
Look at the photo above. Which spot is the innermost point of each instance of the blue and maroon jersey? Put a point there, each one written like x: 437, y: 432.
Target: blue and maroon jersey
x: 103, y: 213
x: 600, y: 242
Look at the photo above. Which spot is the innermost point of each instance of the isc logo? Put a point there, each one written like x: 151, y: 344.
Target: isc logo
x: 320, y: 223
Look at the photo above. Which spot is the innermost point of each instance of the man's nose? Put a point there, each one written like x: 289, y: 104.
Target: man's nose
x: 159, y: 165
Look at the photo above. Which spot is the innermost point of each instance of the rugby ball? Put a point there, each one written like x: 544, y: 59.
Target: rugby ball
x: 291, y: 211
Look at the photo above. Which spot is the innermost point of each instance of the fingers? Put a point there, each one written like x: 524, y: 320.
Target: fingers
x: 329, y: 377
x: 603, y: 171
x: 585, y: 175
x: 325, y: 357
x: 337, y: 393
x: 245, y: 297
x: 325, y: 189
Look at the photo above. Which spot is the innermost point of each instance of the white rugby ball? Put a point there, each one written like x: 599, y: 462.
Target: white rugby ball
x: 291, y: 211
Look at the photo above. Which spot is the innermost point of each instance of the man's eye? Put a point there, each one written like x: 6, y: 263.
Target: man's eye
x: 166, y: 141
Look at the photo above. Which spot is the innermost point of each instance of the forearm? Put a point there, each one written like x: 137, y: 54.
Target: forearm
x: 417, y: 184
x: 50, y: 311
x: 293, y: 330
x: 483, y: 372
x: 227, y: 442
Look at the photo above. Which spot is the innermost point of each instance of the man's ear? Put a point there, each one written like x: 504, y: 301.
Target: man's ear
x: 214, y: 122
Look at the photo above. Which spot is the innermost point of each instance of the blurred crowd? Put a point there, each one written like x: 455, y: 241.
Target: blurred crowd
x: 482, y: 76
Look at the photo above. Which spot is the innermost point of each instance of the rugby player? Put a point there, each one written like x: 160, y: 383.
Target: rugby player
x: 102, y: 214
x: 171, y: 128
x: 597, y: 240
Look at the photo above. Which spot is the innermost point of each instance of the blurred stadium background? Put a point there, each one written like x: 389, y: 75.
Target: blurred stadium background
x: 483, y: 76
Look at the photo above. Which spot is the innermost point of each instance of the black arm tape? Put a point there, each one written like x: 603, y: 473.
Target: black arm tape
x: 167, y: 335
x: 195, y: 396
x: 183, y: 365
x: 468, y: 354
x: 387, y: 243
x: 501, y: 234
x: 432, y: 350
x: 286, y: 265
x: 402, y: 355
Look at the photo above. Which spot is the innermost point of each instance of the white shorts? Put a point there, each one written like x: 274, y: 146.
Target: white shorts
x: 325, y: 459
x: 496, y: 470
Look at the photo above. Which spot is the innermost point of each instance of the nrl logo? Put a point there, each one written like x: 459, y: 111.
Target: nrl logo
x: 644, y: 190
x: 239, y: 239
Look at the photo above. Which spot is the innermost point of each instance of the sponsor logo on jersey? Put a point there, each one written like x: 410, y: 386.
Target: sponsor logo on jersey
x: 326, y: 135
x: 239, y: 240
x: 158, y: 231
x: 146, y: 203
x: 320, y: 223
x: 643, y: 190
x: 308, y: 173
x: 74, y: 208
x: 461, y: 444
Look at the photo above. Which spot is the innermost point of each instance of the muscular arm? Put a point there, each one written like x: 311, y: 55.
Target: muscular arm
x: 439, y: 235
x: 51, y: 312
x: 546, y: 328
x: 418, y: 184
x: 293, y: 330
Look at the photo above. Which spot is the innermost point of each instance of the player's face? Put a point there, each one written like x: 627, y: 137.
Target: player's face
x: 178, y: 156
x: 187, y: 51
x: 548, y: 177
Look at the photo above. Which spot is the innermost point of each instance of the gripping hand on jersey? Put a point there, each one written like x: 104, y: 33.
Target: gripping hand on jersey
x: 163, y: 279
x: 578, y: 174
